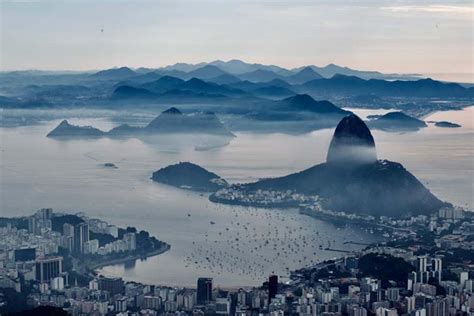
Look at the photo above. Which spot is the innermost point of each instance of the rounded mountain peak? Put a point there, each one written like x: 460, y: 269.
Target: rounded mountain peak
x: 352, y: 142
x: 172, y: 110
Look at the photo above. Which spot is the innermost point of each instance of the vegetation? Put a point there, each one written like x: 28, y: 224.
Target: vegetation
x: 385, y: 267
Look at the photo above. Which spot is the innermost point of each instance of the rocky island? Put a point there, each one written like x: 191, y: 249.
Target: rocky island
x: 65, y: 129
x: 190, y: 176
x: 170, y: 121
x: 446, y: 124
x: 396, y: 121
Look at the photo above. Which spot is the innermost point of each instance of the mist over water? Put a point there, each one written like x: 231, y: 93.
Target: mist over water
x: 69, y: 176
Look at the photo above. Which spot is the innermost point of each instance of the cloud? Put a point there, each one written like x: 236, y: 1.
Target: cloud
x: 463, y: 10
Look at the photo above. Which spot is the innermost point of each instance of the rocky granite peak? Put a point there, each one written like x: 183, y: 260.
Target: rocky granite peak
x: 352, y: 142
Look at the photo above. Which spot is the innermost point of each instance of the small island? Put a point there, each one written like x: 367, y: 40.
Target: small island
x: 110, y: 165
x: 446, y: 124
x: 67, y: 130
x: 190, y: 176
x: 395, y: 121
x: 171, y: 121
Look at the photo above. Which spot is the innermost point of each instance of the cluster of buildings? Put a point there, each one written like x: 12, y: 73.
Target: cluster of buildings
x: 433, y: 283
x: 31, y: 251
x: 265, y: 197
x: 424, y: 292
x: 331, y: 288
x: 113, y: 296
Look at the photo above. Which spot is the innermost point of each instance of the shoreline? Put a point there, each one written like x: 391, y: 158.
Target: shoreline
x: 115, y: 261
x: 331, y: 218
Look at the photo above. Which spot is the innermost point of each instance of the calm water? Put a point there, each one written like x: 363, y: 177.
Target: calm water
x: 245, y: 244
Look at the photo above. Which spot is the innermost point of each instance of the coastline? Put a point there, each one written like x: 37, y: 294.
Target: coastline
x: 336, y: 219
x: 111, y: 262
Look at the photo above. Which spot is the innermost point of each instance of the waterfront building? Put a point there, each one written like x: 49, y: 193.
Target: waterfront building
x: 272, y: 287
x: 131, y: 241
x: 81, y: 236
x: 204, y: 290
x: 48, y: 268
x: 112, y: 285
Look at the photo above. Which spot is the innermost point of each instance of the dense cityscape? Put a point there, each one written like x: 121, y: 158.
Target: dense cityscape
x: 425, y: 269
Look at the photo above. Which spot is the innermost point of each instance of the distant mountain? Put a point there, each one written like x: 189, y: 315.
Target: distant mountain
x: 249, y: 86
x: 125, y: 130
x: 128, y: 92
x: 168, y: 122
x: 236, y: 67
x: 168, y: 87
x: 182, y: 96
x: 259, y: 75
x: 189, y: 176
x: 330, y: 70
x: 396, y: 121
x: 140, y: 78
x: 276, y: 83
x: 144, y: 70
x: 198, y: 85
x: 162, y: 84
x: 146, y: 77
x: 353, y: 86
x: 245, y: 85
x: 175, y: 73
x: 272, y: 92
x: 302, y: 109
x: 174, y: 121
x: 368, y: 187
x: 304, y: 75
x: 304, y: 102
x: 206, y: 72
x: 114, y: 73
x: 224, y: 79
x: 183, y: 67
x: 66, y: 130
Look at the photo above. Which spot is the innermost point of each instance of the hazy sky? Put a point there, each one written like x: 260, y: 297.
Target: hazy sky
x: 390, y: 36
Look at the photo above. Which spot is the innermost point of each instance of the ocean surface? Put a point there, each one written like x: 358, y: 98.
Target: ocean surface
x: 236, y: 246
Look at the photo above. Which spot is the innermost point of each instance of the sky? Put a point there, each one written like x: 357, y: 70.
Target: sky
x: 389, y: 36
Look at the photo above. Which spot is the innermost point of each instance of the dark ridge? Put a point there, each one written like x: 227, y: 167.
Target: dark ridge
x: 172, y: 110
x: 397, y: 121
x: 304, y: 102
x: 190, y: 176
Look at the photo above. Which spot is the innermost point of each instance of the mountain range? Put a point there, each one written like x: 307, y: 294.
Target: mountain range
x: 253, y: 92
x: 238, y: 67
x: 211, y: 81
